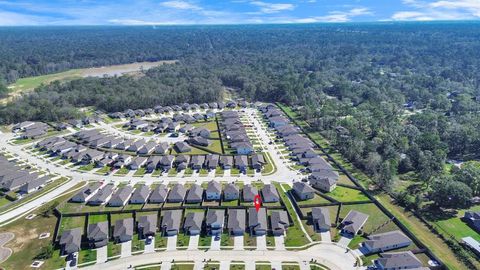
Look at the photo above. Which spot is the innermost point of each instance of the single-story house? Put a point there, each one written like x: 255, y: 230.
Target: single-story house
x: 123, y: 230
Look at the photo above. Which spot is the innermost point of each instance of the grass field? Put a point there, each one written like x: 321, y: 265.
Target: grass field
x: 71, y: 223
x: 316, y: 200
x: 456, y: 227
x: 295, y: 235
x: 92, y: 219
x: 343, y: 194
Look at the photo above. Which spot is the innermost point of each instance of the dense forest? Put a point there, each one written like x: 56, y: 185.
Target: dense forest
x: 394, y: 98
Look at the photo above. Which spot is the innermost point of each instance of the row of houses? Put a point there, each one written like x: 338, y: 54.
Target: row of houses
x: 176, y: 123
x: 173, y: 222
x: 235, y: 133
x: 31, y: 130
x: 13, y: 177
x: 98, y: 193
x: 302, y: 149
x: 185, y: 107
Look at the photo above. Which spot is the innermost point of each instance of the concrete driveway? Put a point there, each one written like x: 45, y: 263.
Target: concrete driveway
x: 261, y: 242
x: 193, y: 244
x: 304, y: 265
x: 326, y: 236
x: 126, y: 249
x: 224, y: 265
x: 277, y: 265
x: 249, y: 265
x: 344, y: 241
x: 172, y: 242
x: 279, y: 242
x: 215, y: 244
x: 166, y: 265
x: 150, y: 247
x: 102, y: 254
x: 238, y: 242
x: 198, y: 265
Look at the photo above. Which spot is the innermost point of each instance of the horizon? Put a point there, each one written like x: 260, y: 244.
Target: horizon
x: 231, y: 12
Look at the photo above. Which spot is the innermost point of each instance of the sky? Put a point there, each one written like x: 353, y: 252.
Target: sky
x: 186, y: 12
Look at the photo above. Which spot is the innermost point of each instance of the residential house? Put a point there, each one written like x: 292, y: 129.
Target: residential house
x: 269, y: 194
x: 181, y: 162
x: 123, y: 230
x: 102, y: 195
x: 214, y: 221
x: 212, y: 161
x: 243, y: 148
x: 176, y: 194
x: 147, y: 148
x: 214, y: 191
x: 353, y: 222
x: 152, y: 163
x: 236, y: 221
x: 397, y: 261
x: 226, y: 162
x: 97, y: 234
x: 140, y: 195
x: 159, y: 194
x: 197, y: 162
x: 303, y: 191
x: 321, y: 219
x: 249, y: 192
x: 121, y: 196
x: 86, y: 193
x: 279, y: 222
x: 257, y: 221
x: 241, y: 163
x: 70, y: 241
x: 34, y: 185
x: 161, y: 148
x: 473, y: 219
x: 137, y: 145
x: 195, y: 194
x: 166, y: 162
x: 258, y: 161
x: 231, y: 192
x: 147, y: 226
x: 324, y: 180
x: 171, y: 222
x: 182, y: 147
x: 137, y: 163
x: 193, y: 223
x: 386, y: 241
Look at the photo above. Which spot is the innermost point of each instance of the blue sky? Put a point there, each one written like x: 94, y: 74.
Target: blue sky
x: 150, y: 12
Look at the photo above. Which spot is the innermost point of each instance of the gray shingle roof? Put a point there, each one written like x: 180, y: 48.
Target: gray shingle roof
x: 399, y: 260
x: 236, y: 219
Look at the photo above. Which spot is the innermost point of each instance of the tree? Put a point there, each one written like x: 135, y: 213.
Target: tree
x: 469, y: 174
x: 3, y: 89
x: 450, y: 193
x: 45, y: 253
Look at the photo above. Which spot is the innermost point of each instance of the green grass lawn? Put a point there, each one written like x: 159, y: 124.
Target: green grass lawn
x: 92, y: 219
x: 137, y: 244
x: 249, y: 240
x: 172, y: 172
x: 113, y: 249
x: 87, y: 167
x: 181, y: 266
x: 230, y: 203
x: 203, y: 172
x: 269, y: 168
x: 205, y: 241
x: 140, y: 172
x: 456, y: 227
x: 376, y: 216
x: 316, y: 200
x: 72, y: 223
x: 237, y: 266
x: 160, y: 242
x: 183, y: 240
x: 156, y: 172
x: 226, y: 240
x: 219, y: 171
x: 343, y: 194
x: 122, y: 171
x: 290, y: 267
x: 263, y: 267
x: 103, y: 170
x: 188, y: 172
x: 87, y: 255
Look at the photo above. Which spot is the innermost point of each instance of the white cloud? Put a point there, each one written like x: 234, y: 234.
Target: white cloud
x: 180, y: 5
x: 12, y: 19
x: 272, y: 7
x: 439, y: 10
x: 337, y: 16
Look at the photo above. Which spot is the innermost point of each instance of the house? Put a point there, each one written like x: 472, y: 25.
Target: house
x: 104, y: 162
x: 152, y: 163
x: 70, y: 241
x: 324, y: 180
x: 231, y: 192
x: 121, y: 196
x: 269, y: 194
x: 200, y: 132
x: 102, y: 195
x: 173, y: 126
x: 34, y: 185
x: 321, y: 219
x: 123, y: 230
x: 159, y: 194
x: 236, y: 221
x: 166, y: 162
x: 472, y: 219
x: 473, y: 244
x: 353, y: 222
x: 176, y: 194
x: 211, y: 161
x: 249, y: 192
x: 92, y: 155
x: 386, y: 241
x: 214, y: 191
x: 193, y: 223
x: 97, y: 234
x: 161, y: 148
x: 147, y: 226
x: 226, y: 162
x: 182, y: 147
x: 279, y: 222
x: 199, y: 141
x: 258, y: 161
x: 16, y: 180
x: 148, y: 148
x: 181, y: 162
x: 243, y: 148
x: 214, y: 221
x: 197, y: 162
x: 86, y: 193
x: 140, y: 195
x: 137, y: 145
x: 137, y: 163
x: 195, y: 194
x: 186, y: 128
x: 398, y: 260
x: 124, y: 145
x: 257, y: 221
x: 303, y: 191
x: 171, y: 222
x: 241, y: 163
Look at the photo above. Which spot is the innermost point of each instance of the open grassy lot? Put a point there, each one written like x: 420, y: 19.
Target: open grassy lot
x: 71, y: 223
x: 376, y: 216
x: 344, y: 194
x: 295, y: 235
x: 456, y: 227
x: 317, y: 199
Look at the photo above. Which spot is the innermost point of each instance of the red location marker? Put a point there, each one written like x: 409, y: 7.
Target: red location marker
x: 258, y: 202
